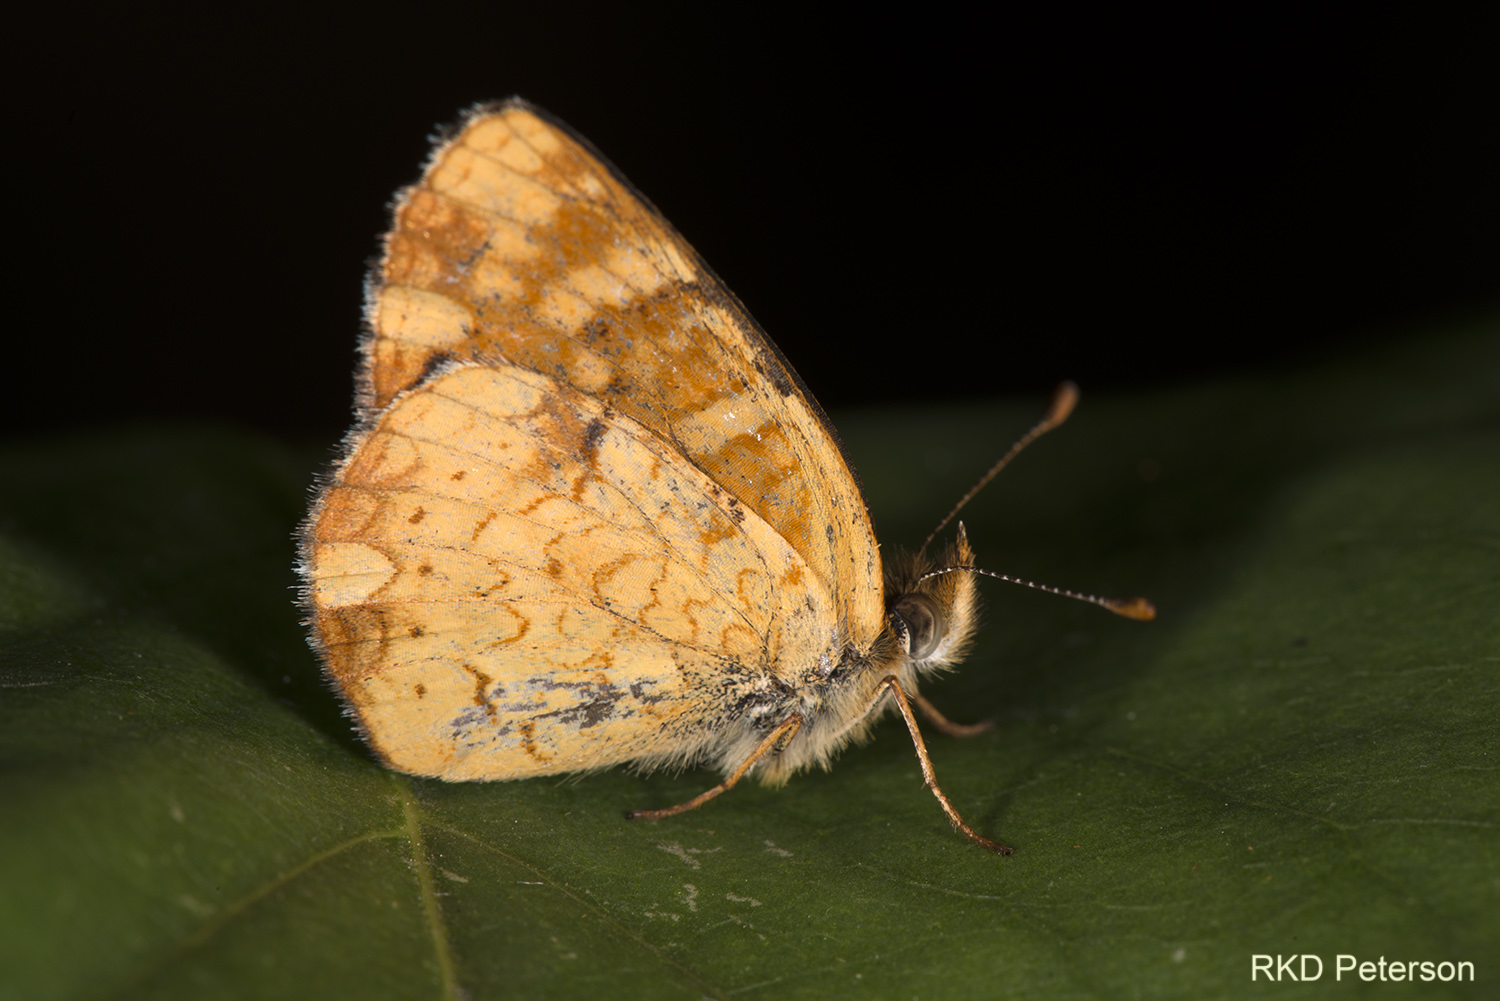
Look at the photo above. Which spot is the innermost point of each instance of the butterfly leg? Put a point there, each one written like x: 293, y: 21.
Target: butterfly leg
x: 928, y: 775
x: 946, y: 725
x: 785, y: 731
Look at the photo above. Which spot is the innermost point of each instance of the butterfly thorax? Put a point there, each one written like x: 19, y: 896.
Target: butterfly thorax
x: 929, y: 626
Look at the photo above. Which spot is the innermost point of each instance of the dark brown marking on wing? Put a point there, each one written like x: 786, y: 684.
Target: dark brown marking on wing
x: 481, y: 689
x: 481, y: 525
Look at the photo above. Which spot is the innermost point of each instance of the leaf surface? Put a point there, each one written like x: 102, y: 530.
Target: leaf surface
x: 1298, y: 756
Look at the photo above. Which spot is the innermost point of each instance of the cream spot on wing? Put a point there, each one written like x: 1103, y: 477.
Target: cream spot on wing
x: 501, y: 270
x: 601, y: 285
x: 536, y: 133
x: 478, y: 180
x: 625, y: 263
x: 735, y: 415
x: 347, y: 573
x: 422, y: 318
x: 613, y: 284
x: 563, y: 309
x: 497, y: 138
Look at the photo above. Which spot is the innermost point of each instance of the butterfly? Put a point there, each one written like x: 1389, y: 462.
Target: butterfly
x: 589, y: 515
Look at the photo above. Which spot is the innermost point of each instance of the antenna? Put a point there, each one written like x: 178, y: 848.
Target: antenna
x: 1064, y: 399
x: 1131, y: 608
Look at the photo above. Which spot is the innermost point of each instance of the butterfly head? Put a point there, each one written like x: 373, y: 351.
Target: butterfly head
x: 933, y: 618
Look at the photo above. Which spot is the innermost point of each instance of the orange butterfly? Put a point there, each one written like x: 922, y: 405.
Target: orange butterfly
x: 589, y: 515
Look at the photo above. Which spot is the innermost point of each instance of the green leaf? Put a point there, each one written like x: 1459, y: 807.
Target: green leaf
x: 1298, y: 756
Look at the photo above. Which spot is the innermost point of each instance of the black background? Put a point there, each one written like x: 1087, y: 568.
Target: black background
x: 916, y: 208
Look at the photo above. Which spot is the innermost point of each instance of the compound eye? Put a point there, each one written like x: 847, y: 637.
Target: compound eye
x: 925, y: 627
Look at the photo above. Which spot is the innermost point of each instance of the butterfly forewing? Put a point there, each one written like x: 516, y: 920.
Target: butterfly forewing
x: 531, y: 248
